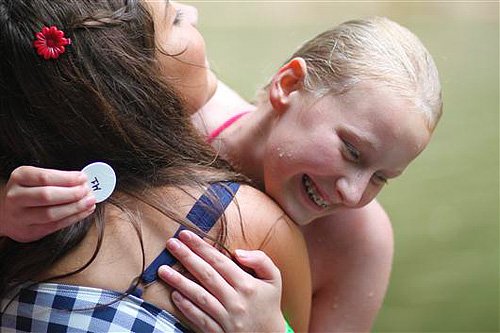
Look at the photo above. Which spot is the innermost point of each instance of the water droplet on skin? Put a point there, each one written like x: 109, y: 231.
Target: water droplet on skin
x: 279, y: 152
x: 335, y: 304
x: 371, y: 294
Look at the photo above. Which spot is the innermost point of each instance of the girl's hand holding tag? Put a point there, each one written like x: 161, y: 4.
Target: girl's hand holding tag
x: 36, y: 202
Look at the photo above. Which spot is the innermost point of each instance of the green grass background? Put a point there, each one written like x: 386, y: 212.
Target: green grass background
x: 445, y: 209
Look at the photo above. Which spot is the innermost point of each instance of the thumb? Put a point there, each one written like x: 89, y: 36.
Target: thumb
x: 262, y: 265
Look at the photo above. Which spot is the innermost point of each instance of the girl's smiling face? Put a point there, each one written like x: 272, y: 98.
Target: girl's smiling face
x: 339, y: 151
x: 181, y: 52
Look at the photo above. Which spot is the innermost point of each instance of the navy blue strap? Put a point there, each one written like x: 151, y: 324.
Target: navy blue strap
x: 205, y: 212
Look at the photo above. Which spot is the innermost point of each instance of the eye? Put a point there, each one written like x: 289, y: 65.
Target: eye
x: 380, y: 179
x: 178, y: 16
x: 353, y: 154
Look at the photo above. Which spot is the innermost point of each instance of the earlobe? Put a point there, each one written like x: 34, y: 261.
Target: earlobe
x: 289, y: 78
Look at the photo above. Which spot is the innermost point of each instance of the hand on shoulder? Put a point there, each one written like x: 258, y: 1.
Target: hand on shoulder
x: 232, y: 299
x: 229, y: 299
x: 268, y: 228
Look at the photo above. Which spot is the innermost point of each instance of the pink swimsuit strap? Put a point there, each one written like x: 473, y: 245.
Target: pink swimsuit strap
x: 226, y: 124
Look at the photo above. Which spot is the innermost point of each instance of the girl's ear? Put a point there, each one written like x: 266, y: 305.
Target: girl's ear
x: 288, y: 79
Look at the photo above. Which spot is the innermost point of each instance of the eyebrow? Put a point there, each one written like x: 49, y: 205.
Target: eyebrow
x: 359, y: 138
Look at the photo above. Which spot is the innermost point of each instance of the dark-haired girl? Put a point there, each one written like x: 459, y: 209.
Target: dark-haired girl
x: 84, y: 81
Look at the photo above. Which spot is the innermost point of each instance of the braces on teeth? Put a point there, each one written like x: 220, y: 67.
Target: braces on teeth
x: 312, y: 193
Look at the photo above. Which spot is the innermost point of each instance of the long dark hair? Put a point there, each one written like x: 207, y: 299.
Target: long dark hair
x: 102, y: 100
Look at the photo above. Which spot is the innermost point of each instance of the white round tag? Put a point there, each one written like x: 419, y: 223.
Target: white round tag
x: 101, y: 180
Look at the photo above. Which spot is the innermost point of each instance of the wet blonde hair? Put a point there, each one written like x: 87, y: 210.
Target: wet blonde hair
x: 378, y: 50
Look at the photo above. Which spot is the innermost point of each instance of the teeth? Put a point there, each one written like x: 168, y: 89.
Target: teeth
x: 313, y: 193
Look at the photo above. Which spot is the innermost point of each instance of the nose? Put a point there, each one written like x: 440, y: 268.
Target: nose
x: 352, y: 187
x: 190, y: 12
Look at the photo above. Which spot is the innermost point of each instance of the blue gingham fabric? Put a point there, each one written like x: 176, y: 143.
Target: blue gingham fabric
x: 54, y: 308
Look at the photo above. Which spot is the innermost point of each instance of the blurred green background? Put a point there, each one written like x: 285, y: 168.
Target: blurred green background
x: 445, y: 209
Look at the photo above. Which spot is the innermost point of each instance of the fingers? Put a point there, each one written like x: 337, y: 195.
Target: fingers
x: 262, y: 265
x: 36, y: 202
x: 197, y: 294
x: 201, y: 269
x: 38, y: 231
x: 200, y: 319
x: 229, y: 270
x: 245, y: 304
x: 41, y: 215
x: 48, y: 195
x: 33, y: 176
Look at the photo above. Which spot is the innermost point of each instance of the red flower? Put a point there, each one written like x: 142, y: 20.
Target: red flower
x: 50, y: 42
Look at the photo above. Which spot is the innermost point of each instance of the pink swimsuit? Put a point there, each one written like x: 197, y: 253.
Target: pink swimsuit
x: 222, y: 127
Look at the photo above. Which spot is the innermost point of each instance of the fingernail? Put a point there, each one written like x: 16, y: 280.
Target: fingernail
x: 86, y: 189
x: 176, y: 296
x: 89, y: 201
x: 241, y: 253
x: 173, y: 244
x: 186, y: 235
x: 82, y: 178
x: 165, y: 271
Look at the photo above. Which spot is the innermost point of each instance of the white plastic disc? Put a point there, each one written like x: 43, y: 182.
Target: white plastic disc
x: 101, y: 180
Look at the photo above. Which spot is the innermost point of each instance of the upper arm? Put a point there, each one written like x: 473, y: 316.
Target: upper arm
x: 345, y: 249
x: 267, y: 228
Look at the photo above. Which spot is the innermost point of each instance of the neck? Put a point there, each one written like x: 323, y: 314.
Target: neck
x: 243, y: 143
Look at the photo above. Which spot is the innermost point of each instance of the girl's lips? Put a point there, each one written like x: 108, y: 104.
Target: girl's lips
x: 314, y: 194
x: 309, y: 202
x: 321, y: 193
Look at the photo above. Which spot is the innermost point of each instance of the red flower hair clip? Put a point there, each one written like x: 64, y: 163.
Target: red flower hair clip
x: 50, y: 42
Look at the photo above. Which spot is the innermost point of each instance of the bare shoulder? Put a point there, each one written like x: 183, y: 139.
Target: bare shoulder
x: 369, y: 226
x: 266, y: 227
x: 356, y: 235
x: 371, y: 212
x: 259, y: 218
